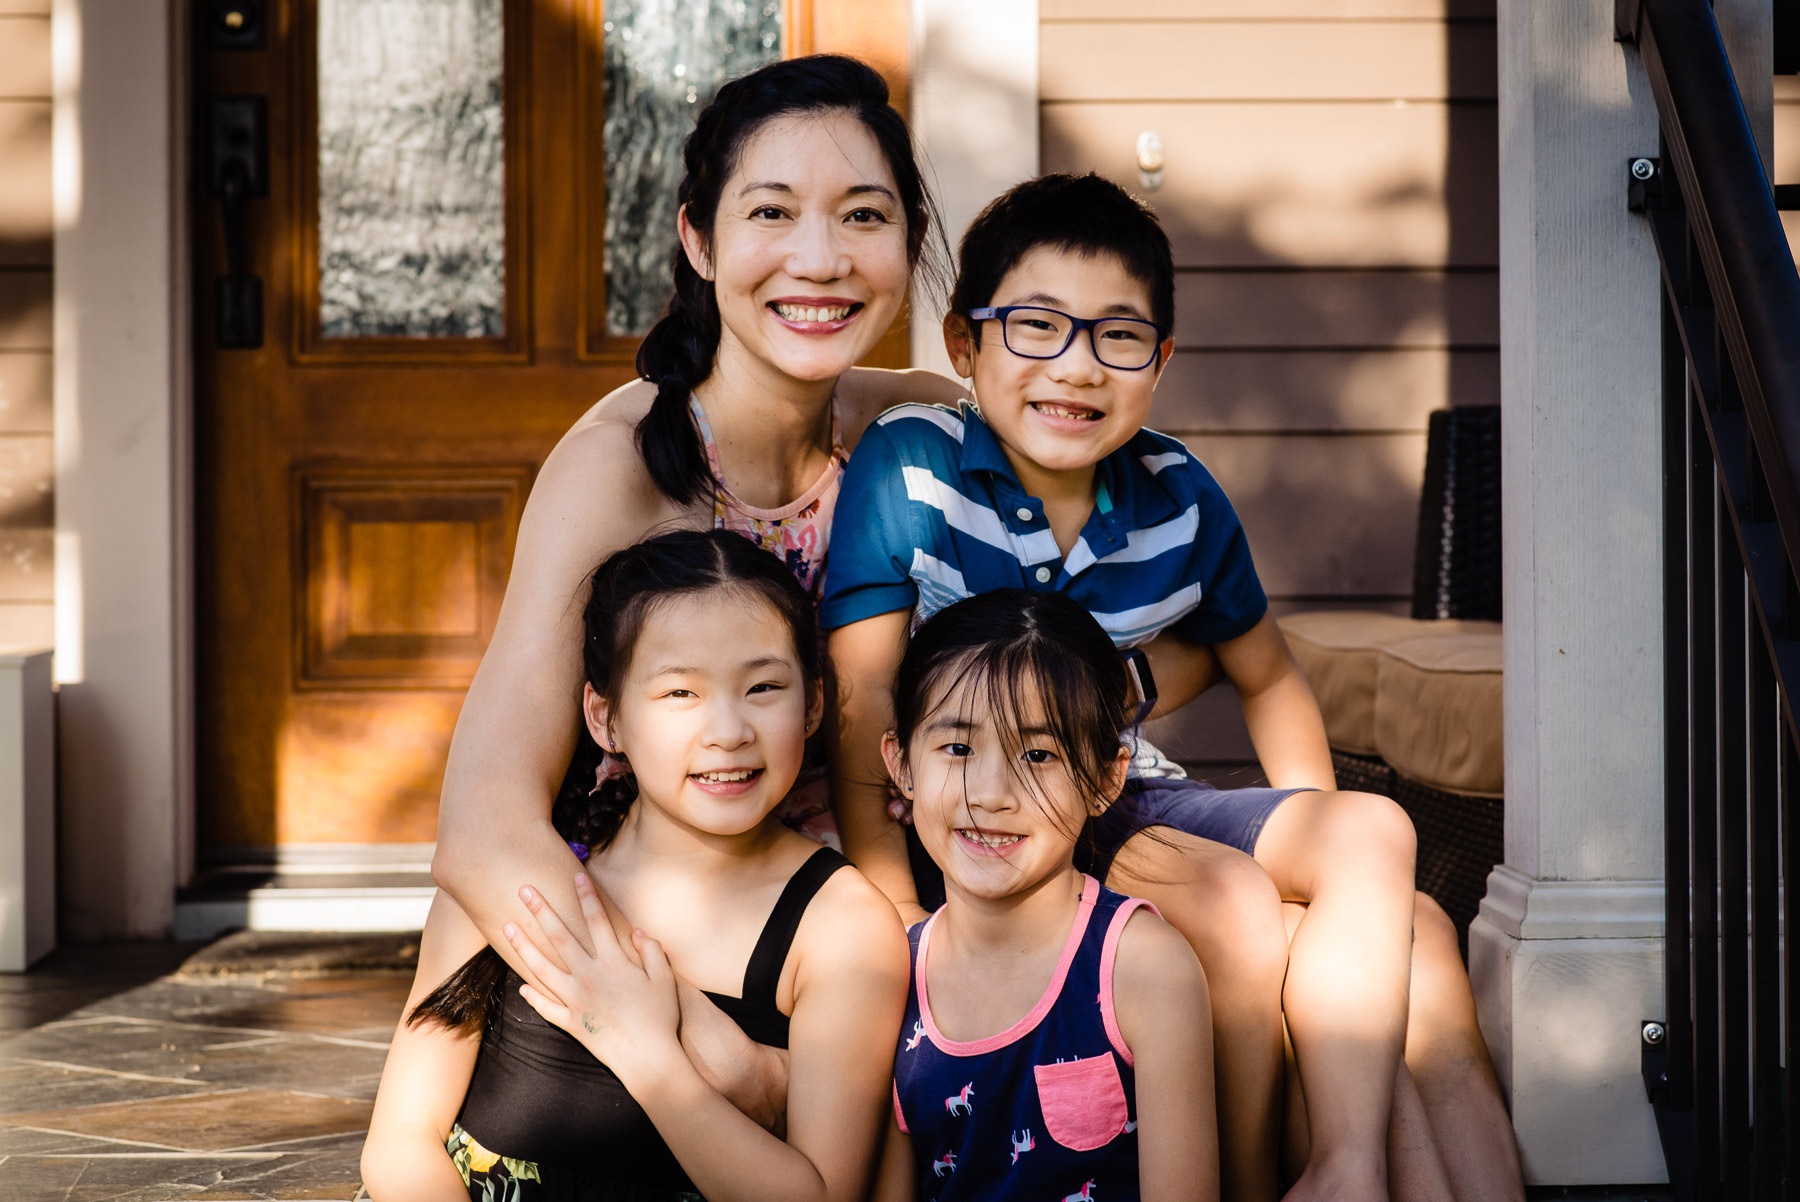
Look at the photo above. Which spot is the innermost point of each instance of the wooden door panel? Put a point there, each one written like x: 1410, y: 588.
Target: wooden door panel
x: 403, y: 571
x: 358, y: 497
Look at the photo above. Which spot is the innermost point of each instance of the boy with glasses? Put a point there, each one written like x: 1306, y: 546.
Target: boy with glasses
x: 1061, y: 317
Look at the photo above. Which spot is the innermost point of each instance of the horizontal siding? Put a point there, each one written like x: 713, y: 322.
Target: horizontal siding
x: 1268, y: 10
x: 1273, y: 391
x: 1288, y: 184
x: 1287, y: 309
x: 27, y: 464
x: 1326, y: 514
x: 1330, y: 191
x: 25, y: 564
x: 24, y: 310
x: 25, y: 392
x: 24, y: 57
x: 1192, y: 61
x: 26, y: 228
x: 26, y: 471
x: 26, y: 623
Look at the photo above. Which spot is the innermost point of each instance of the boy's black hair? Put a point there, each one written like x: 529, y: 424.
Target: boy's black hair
x: 1083, y: 214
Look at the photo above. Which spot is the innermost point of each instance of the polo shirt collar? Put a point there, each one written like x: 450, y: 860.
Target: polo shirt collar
x: 1137, y: 498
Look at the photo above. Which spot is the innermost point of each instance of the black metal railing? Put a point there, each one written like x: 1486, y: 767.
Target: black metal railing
x: 1716, y: 1061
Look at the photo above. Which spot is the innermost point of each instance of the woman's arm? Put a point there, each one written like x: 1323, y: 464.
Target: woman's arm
x: 865, y: 393
x: 849, y: 994
x: 517, y: 727
x: 424, y: 1080
x: 1279, y: 708
x: 865, y: 656
x: 1166, y: 1019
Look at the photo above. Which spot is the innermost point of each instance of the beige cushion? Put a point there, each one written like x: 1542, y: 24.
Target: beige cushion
x: 1339, y: 652
x: 1438, y: 710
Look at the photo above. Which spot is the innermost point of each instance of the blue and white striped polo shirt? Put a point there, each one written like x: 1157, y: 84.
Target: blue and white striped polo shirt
x: 930, y: 511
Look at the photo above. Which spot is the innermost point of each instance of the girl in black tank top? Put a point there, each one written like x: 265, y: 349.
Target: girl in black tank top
x: 703, y: 675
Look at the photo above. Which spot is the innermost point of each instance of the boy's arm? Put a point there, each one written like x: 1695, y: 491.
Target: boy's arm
x: 1183, y: 671
x: 1285, y: 725
x: 1165, y: 1017
x: 865, y: 656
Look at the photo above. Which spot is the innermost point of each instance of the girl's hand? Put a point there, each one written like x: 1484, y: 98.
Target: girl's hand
x: 627, y: 1016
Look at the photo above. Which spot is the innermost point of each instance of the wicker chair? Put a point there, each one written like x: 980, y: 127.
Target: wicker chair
x: 1412, y: 705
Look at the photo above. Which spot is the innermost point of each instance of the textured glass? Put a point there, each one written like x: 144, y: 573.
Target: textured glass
x: 412, y: 169
x: 664, y: 59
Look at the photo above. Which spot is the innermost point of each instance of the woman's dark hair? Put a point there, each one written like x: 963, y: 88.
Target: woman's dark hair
x: 1082, y: 214
x: 1010, y: 643
x: 677, y: 353
x: 623, y: 593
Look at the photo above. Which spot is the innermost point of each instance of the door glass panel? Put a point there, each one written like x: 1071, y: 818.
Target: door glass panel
x: 412, y: 172
x: 664, y: 59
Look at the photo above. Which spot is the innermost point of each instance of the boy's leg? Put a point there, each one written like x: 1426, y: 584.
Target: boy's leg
x: 1349, y: 857
x: 1229, y: 912
x: 1449, y: 1061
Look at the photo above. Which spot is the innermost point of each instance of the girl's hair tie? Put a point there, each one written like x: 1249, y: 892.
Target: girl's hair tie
x: 674, y: 379
x: 580, y: 850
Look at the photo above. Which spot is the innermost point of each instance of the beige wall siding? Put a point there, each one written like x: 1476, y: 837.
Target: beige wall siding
x: 1331, y: 194
x: 26, y: 515
x: 1787, y: 147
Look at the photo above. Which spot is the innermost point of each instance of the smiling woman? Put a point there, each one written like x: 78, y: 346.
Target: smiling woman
x: 802, y: 216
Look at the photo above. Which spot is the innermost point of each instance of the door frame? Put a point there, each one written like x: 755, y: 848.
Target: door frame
x: 124, y: 405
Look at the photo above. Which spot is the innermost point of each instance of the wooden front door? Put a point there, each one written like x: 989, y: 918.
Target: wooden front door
x: 460, y: 226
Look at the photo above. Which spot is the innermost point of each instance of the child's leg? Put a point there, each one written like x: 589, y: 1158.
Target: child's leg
x: 1449, y: 1061
x: 1416, y: 1164
x: 1349, y: 856
x: 1229, y: 912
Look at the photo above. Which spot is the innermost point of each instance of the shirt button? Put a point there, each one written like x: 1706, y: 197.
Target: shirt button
x: 1023, y: 513
x: 1043, y: 575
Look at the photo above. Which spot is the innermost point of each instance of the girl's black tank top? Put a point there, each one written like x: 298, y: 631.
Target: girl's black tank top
x: 537, y: 1095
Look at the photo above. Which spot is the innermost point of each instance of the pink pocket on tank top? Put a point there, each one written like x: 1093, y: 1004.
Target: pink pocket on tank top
x: 1083, y: 1101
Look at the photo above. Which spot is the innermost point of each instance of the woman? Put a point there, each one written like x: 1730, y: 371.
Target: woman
x: 803, y: 217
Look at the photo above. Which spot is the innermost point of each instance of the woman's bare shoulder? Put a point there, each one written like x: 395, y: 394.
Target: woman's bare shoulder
x: 864, y: 393
x: 597, y: 459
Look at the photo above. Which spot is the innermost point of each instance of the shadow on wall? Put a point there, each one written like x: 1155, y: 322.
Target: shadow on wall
x: 1331, y: 192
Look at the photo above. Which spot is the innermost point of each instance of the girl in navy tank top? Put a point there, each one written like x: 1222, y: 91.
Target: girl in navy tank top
x: 1057, y: 1045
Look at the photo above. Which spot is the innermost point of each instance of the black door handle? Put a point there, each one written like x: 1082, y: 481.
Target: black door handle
x: 238, y: 169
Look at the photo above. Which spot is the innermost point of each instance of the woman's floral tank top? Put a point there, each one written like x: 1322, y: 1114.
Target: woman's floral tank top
x: 799, y: 534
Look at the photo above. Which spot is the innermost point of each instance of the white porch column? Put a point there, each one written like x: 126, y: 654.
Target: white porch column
x: 975, y: 118
x: 1567, y: 955
x: 123, y: 656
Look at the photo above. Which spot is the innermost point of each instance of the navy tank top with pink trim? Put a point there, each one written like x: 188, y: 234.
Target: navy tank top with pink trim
x: 1044, y: 1111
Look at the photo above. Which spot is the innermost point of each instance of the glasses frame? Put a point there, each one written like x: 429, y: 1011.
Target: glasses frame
x: 1076, y: 326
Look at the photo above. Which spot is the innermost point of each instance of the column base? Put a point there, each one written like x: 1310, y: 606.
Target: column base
x: 1565, y: 973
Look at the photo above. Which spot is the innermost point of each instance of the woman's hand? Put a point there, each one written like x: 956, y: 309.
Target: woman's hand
x: 628, y: 1016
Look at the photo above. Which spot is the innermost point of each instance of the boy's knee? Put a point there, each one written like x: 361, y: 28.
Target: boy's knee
x: 1377, y: 825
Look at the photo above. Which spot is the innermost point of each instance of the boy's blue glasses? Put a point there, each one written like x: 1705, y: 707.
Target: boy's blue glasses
x: 1032, y: 332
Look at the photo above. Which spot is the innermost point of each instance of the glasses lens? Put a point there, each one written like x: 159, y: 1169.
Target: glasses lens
x: 1125, y: 343
x: 1037, y: 333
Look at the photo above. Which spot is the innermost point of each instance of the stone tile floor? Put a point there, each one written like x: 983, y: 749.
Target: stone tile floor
x: 124, y: 1074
